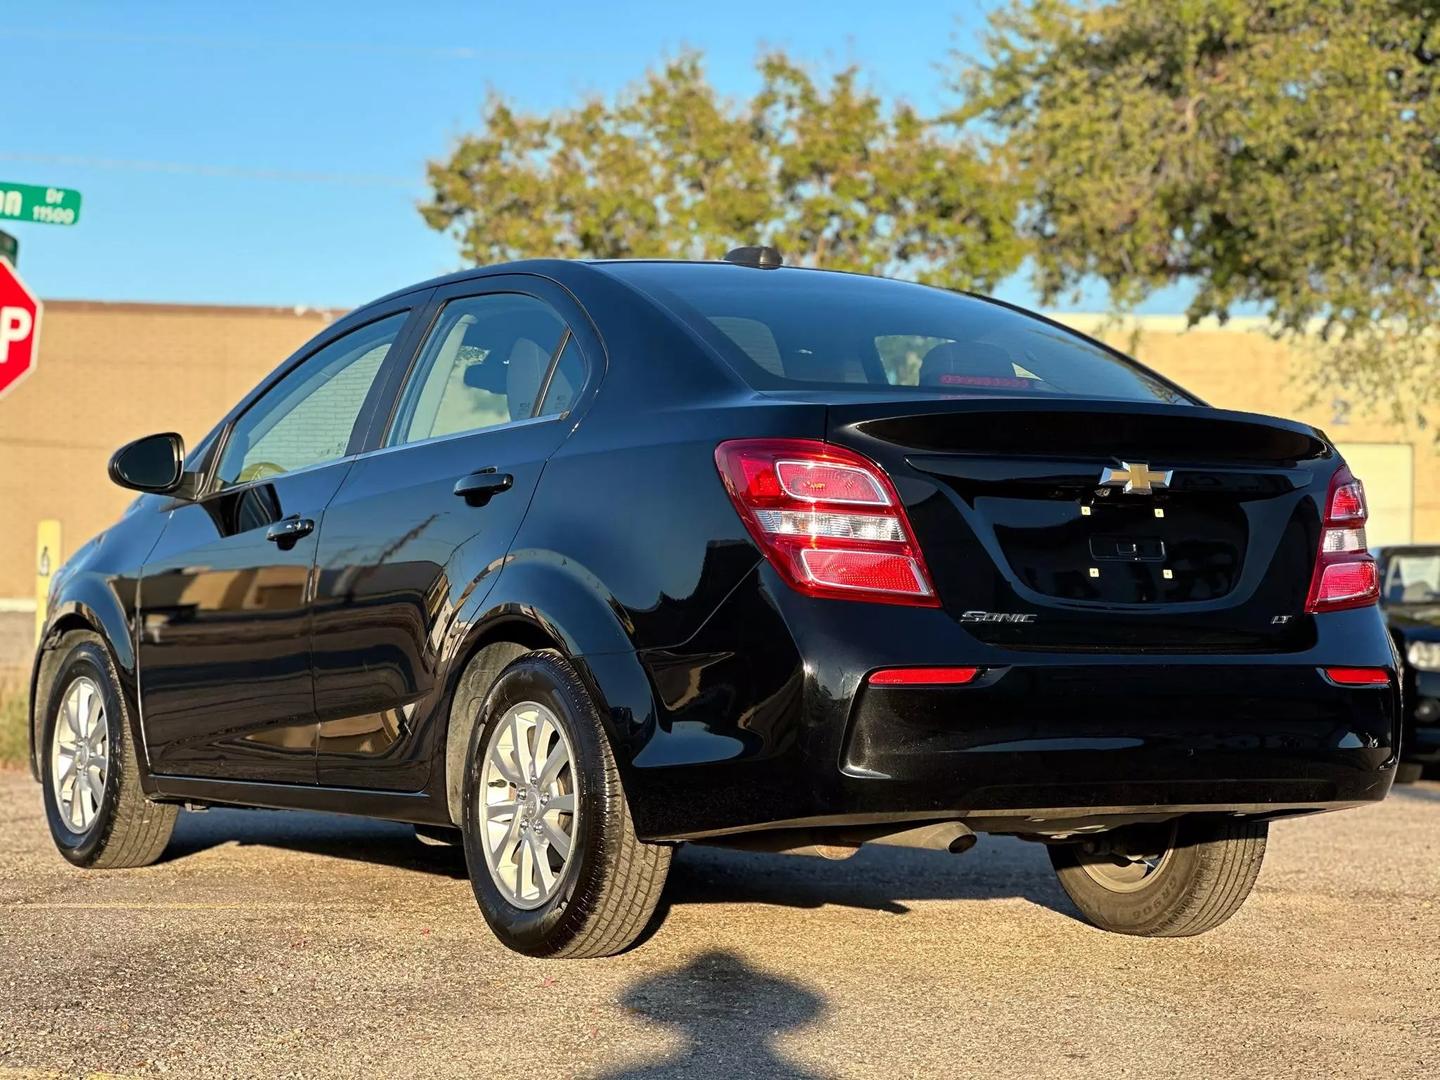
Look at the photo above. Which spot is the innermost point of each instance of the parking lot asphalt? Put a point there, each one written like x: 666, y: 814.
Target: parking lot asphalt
x: 270, y: 944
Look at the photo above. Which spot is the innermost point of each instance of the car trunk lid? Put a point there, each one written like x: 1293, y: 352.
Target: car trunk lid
x: 1106, y: 525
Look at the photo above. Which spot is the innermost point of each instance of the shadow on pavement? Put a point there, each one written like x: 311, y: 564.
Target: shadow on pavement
x: 384, y: 843
x: 878, y: 878
x: 729, y: 1015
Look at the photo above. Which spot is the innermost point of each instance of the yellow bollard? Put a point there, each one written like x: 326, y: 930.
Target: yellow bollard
x: 47, y: 561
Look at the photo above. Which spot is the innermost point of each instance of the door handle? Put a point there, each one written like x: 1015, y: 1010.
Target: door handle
x: 286, y: 532
x: 479, y: 488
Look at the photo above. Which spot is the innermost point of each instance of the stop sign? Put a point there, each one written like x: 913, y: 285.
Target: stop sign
x: 19, y: 328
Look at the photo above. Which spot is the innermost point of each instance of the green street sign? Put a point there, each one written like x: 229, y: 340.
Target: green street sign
x: 43, y: 205
x: 9, y: 248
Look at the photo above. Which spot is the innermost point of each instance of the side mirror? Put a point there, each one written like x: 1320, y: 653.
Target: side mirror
x: 155, y: 464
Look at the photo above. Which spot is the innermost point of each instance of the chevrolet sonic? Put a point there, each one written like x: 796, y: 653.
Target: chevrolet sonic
x: 571, y: 562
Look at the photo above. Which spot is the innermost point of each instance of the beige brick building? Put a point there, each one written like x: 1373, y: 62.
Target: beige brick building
x: 111, y: 372
x: 107, y: 374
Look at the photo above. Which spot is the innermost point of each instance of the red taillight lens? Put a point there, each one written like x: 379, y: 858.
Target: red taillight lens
x: 1347, y: 503
x: 1345, y: 574
x: 924, y: 676
x: 1357, y: 676
x: 827, y: 519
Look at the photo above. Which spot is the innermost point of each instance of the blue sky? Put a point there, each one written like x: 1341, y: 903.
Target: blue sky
x: 273, y: 153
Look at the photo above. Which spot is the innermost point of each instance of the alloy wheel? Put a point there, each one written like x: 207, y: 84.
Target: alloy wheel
x: 528, y: 808
x: 80, y: 755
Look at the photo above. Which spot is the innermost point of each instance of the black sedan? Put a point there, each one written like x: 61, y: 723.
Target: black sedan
x: 576, y: 561
x: 1410, y: 599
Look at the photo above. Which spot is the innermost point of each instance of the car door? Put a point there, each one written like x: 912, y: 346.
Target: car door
x: 423, y: 521
x: 226, y: 685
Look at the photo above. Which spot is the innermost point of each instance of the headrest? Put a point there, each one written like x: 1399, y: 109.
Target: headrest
x: 970, y: 364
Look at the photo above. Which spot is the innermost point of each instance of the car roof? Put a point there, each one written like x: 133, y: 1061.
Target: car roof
x: 560, y: 269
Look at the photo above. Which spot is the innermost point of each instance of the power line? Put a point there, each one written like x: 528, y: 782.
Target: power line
x: 191, y: 41
x: 188, y: 168
x: 464, y: 53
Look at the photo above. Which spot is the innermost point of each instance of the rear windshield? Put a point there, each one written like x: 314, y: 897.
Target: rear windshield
x: 811, y: 330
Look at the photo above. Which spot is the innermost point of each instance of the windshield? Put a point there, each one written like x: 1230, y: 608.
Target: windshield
x: 811, y: 330
x: 1413, y: 578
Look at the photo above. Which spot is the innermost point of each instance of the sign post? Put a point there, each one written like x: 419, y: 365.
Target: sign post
x: 47, y: 561
x: 39, y: 204
x: 19, y: 328
x: 9, y: 248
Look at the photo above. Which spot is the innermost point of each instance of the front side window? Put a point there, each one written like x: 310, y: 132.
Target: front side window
x: 306, y: 418
x: 484, y: 364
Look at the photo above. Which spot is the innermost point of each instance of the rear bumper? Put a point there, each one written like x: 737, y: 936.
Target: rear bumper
x: 1054, y: 742
x: 748, y: 738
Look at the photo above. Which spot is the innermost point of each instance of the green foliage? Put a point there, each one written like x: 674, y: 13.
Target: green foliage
x: 1283, y: 154
x: 826, y: 172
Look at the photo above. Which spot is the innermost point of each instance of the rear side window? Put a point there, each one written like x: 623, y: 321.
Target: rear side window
x: 484, y: 364
x: 809, y: 330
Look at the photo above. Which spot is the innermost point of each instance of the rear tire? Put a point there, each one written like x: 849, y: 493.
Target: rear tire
x: 98, y: 815
x: 595, y: 899
x: 1171, y: 880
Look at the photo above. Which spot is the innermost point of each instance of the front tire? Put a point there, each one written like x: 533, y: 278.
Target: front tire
x: 1172, y: 880
x: 549, y: 841
x: 98, y: 815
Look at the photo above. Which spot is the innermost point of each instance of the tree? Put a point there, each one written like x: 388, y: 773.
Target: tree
x: 1284, y: 154
x: 826, y: 173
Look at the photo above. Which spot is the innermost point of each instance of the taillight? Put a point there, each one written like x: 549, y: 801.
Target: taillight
x: 1345, y: 574
x: 827, y: 519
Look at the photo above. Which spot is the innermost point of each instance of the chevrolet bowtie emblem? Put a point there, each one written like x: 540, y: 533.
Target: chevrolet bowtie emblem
x: 1137, y: 478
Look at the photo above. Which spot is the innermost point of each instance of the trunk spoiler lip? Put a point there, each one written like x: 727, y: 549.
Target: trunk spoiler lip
x: 845, y: 411
x: 878, y: 422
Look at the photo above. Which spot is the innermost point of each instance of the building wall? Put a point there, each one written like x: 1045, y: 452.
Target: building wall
x: 111, y: 372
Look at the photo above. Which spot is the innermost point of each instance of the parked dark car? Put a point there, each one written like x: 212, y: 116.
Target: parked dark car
x: 1410, y: 599
x: 576, y: 561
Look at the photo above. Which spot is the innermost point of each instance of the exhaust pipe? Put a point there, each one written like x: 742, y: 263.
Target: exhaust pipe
x: 952, y: 836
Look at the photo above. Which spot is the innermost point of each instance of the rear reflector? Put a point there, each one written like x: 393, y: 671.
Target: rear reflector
x: 1357, y: 676
x: 1345, y: 574
x: 828, y: 520
x: 924, y: 676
